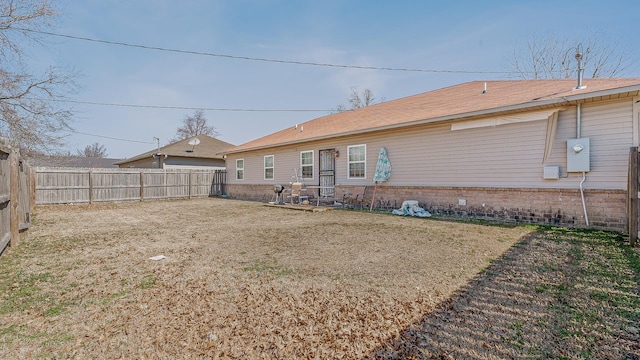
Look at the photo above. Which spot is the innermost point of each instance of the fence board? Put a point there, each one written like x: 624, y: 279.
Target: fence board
x: 66, y: 185
x: 5, y: 198
x: 15, y: 204
x: 14, y: 221
x: 24, y: 196
x: 219, y: 182
x: 632, y: 190
x: 4, y: 241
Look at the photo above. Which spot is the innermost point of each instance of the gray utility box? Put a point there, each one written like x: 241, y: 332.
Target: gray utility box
x: 551, y: 172
x: 578, y: 155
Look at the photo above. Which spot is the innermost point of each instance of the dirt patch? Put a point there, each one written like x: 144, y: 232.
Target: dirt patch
x: 240, y: 280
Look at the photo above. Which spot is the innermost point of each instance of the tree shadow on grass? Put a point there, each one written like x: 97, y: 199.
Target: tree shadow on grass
x: 557, y: 294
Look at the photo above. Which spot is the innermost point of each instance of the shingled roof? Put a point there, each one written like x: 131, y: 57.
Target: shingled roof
x: 467, y: 100
x: 208, y: 148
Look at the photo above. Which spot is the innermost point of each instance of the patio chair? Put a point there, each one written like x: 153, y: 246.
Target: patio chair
x: 298, y: 193
x: 354, y: 197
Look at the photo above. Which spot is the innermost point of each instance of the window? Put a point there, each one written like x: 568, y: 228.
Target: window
x: 240, y: 169
x: 357, y: 155
x: 268, y: 167
x: 306, y: 164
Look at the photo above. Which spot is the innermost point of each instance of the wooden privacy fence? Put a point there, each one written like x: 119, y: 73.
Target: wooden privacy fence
x: 218, y: 187
x: 632, y: 194
x: 80, y: 185
x: 15, y: 202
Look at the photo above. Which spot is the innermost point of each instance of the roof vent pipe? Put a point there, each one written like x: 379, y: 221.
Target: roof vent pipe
x: 580, y: 69
x: 578, y: 120
x: 485, y: 88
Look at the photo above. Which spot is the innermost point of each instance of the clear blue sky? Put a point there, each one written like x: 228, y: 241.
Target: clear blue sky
x: 440, y: 35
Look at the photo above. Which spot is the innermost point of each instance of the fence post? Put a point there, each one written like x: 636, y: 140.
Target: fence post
x: 190, y: 182
x: 214, y: 184
x: 24, y: 193
x: 13, y: 199
x: 632, y: 194
x: 33, y: 177
x: 223, y: 186
x: 90, y: 187
x: 141, y: 186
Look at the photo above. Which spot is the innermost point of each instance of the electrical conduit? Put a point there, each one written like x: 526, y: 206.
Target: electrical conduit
x: 584, y: 174
x: 584, y: 205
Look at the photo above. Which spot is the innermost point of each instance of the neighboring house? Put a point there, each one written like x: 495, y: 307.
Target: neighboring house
x: 198, y: 152
x: 73, y: 161
x: 495, y: 149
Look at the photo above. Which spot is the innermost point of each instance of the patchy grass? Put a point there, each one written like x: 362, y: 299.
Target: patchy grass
x: 271, y: 267
x: 147, y: 282
x: 241, y: 280
x: 24, y: 291
x: 561, y: 294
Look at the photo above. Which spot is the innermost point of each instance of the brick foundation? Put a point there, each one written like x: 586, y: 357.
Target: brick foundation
x: 606, y: 209
x: 250, y: 192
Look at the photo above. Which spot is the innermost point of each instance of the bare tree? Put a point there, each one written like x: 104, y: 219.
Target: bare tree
x: 193, y: 125
x: 29, y: 113
x: 93, y: 150
x: 553, y: 57
x: 357, y: 100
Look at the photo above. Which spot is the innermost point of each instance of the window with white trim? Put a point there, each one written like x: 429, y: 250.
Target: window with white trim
x: 306, y: 164
x: 239, y: 169
x: 268, y: 167
x: 357, y: 159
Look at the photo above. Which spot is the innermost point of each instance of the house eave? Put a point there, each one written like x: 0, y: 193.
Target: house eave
x: 154, y: 154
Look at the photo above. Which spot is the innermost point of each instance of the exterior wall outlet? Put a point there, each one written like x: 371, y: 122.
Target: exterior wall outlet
x: 551, y: 172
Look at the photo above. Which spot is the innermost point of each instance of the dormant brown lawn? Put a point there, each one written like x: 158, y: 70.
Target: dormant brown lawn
x: 239, y: 279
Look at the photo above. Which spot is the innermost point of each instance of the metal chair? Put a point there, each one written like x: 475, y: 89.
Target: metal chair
x: 354, y: 198
x: 298, y: 192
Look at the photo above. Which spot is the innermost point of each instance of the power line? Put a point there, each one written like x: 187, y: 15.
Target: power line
x: 205, y: 108
x: 109, y: 137
x: 180, y: 107
x: 250, y: 58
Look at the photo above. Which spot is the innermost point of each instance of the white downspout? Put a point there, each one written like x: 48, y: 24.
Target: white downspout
x: 584, y: 204
x: 584, y: 174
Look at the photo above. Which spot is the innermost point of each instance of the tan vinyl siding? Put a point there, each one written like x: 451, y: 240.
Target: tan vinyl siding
x: 500, y: 156
x: 284, y: 161
x: 566, y: 129
x: 173, y: 162
x: 508, y: 156
x: 609, y: 126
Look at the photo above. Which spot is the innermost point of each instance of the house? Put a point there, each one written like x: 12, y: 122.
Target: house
x: 72, y: 161
x: 538, y: 151
x: 199, y: 152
